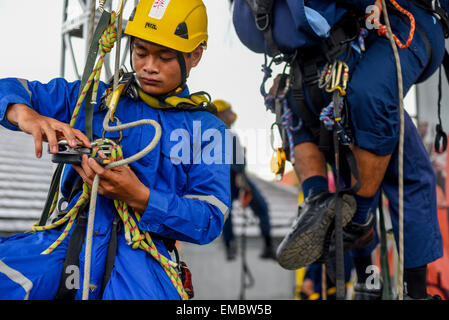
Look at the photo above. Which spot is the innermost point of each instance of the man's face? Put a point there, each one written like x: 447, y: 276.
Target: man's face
x: 157, y: 67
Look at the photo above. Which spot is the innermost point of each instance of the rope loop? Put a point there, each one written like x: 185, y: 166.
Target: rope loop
x: 109, y: 37
x: 383, y: 30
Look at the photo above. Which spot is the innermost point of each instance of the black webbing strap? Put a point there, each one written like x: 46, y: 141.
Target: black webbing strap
x: 112, y: 252
x: 441, y: 136
x: 54, y: 185
x: 262, y: 11
x: 338, y: 215
x: 385, y: 267
x: 310, y: 119
x: 67, y: 288
x: 90, y: 63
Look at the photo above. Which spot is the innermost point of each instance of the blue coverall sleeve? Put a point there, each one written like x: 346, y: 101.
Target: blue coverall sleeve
x: 199, y: 214
x: 55, y: 99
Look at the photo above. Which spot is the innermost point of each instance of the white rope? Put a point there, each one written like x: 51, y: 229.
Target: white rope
x: 94, y: 192
x: 400, y: 278
x: 124, y: 162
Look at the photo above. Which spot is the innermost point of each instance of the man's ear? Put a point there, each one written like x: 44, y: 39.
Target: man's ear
x: 195, y: 56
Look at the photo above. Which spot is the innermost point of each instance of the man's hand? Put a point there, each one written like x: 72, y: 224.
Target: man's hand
x: 275, y: 85
x: 44, y: 129
x: 119, y: 183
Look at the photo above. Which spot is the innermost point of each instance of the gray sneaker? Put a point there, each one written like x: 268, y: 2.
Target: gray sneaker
x: 305, y: 242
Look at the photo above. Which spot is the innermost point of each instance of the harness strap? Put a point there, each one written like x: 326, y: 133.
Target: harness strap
x: 66, y: 292
x: 385, y: 267
x: 112, y: 252
x: 320, y: 134
x: 262, y: 11
x: 52, y: 194
x: 441, y: 136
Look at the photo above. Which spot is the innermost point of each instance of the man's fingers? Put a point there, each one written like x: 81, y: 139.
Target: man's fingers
x: 52, y: 140
x: 97, y: 168
x: 86, y: 167
x: 69, y: 135
x: 82, y: 174
x: 82, y: 137
x: 37, y: 135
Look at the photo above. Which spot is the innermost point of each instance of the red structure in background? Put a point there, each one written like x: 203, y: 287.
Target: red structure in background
x: 438, y: 271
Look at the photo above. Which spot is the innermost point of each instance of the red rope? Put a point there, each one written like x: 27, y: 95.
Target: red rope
x: 383, y: 28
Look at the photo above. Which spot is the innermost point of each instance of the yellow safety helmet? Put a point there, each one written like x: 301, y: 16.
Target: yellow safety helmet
x: 221, y: 105
x: 180, y: 25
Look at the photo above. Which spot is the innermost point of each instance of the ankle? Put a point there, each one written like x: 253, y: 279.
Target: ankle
x: 415, y: 282
x: 364, y: 205
x: 314, y: 185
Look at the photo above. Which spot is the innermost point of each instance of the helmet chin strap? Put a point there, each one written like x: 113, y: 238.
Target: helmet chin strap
x: 182, y: 65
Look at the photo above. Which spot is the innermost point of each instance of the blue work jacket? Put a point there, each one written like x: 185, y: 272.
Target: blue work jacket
x: 186, y: 173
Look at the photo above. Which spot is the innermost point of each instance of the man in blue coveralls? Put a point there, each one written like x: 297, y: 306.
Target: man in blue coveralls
x: 371, y: 99
x: 241, y: 182
x: 185, y: 200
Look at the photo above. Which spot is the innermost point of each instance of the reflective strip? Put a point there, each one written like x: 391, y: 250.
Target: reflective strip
x: 25, y: 85
x: 213, y: 201
x: 17, y: 277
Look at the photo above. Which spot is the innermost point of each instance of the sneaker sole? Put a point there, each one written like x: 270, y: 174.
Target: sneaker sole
x: 303, y: 247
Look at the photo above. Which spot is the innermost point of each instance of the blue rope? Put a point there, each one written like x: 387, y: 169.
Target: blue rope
x: 287, y: 115
x: 327, y: 115
x: 363, y: 34
x: 287, y: 122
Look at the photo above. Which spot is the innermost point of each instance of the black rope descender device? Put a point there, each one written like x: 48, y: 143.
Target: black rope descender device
x: 74, y: 155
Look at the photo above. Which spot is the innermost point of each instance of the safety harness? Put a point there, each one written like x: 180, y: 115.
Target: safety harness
x: 103, y: 39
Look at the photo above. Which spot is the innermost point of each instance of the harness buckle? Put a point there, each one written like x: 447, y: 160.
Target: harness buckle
x: 262, y: 21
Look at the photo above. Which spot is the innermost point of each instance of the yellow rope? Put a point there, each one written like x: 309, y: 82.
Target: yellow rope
x: 106, y: 43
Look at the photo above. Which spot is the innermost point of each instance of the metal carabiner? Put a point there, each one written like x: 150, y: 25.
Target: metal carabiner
x: 272, y: 135
x: 112, y: 102
x: 339, y: 78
